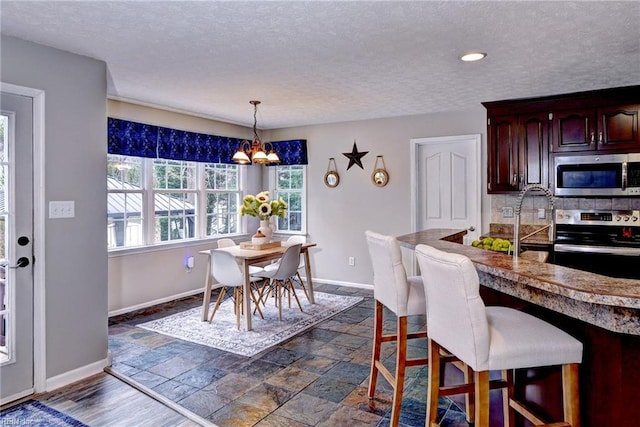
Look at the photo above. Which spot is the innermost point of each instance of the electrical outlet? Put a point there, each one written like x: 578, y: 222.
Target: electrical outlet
x: 542, y: 214
x: 507, y: 212
x: 352, y: 261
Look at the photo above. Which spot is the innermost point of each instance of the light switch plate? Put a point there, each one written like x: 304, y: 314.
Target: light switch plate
x: 507, y: 212
x: 62, y: 209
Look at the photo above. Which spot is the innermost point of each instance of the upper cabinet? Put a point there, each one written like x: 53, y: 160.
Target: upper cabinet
x: 612, y: 128
x: 518, y: 151
x: 523, y: 133
x: 618, y: 128
x: 574, y: 130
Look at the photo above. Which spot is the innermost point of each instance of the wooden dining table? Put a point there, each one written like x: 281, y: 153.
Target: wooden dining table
x: 245, y: 258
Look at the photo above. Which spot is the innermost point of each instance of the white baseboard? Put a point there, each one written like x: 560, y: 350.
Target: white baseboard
x: 76, y: 374
x: 155, y: 302
x: 341, y: 283
x: 16, y: 396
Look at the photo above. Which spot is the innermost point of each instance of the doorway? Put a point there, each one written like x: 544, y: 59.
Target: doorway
x: 19, y: 346
x: 446, y: 183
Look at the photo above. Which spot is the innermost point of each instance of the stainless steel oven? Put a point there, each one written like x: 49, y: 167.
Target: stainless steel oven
x: 597, y: 175
x: 605, y: 242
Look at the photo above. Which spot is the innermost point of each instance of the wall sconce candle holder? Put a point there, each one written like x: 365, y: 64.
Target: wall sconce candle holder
x: 380, y: 176
x: 331, y: 178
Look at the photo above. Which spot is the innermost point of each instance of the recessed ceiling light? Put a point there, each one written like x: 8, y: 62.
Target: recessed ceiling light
x: 473, y: 56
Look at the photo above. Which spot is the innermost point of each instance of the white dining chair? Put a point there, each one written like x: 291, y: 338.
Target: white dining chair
x: 226, y: 242
x: 280, y: 279
x: 293, y: 240
x: 489, y: 339
x: 228, y: 274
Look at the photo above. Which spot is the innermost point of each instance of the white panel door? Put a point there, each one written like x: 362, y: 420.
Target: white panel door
x: 447, y: 183
x: 16, y: 247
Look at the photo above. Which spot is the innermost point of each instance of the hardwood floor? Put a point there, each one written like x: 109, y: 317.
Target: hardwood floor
x: 103, y: 400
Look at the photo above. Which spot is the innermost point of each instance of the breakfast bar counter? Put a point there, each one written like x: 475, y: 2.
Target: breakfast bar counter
x: 610, y: 303
x: 602, y: 312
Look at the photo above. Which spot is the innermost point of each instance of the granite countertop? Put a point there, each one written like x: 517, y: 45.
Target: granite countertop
x: 611, y: 303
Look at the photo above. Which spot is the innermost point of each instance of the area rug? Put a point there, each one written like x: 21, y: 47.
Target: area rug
x: 34, y: 413
x: 224, y: 335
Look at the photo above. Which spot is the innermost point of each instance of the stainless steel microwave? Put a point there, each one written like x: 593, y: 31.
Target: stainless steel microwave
x: 597, y: 175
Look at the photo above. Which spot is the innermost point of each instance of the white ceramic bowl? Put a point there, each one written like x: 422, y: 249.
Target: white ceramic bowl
x: 259, y: 240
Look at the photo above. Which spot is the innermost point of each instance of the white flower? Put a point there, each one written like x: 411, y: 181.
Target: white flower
x: 265, y: 209
x: 263, y: 197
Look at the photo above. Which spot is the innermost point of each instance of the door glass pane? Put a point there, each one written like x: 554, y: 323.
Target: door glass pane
x: 5, y: 312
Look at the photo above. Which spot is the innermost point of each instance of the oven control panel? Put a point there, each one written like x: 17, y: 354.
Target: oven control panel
x: 597, y: 217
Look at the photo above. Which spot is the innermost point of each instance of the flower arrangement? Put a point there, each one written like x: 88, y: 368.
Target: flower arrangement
x: 260, y: 206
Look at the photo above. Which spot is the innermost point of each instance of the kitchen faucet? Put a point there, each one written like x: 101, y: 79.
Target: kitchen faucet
x: 518, y: 209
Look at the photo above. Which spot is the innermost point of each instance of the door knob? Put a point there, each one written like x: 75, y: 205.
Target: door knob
x: 22, y: 262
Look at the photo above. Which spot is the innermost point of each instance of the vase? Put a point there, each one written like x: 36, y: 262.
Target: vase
x: 266, y: 228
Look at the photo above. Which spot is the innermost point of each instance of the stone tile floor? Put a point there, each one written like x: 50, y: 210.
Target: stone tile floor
x: 318, y: 378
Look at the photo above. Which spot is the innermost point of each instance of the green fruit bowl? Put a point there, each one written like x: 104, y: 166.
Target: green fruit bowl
x: 493, y: 244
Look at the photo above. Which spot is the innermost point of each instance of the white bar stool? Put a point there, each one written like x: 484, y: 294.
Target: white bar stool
x: 402, y: 295
x: 489, y: 338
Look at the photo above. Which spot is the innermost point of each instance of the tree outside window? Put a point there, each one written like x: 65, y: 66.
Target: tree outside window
x: 290, y: 185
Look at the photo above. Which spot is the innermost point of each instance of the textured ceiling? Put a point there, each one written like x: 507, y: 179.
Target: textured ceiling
x: 326, y: 61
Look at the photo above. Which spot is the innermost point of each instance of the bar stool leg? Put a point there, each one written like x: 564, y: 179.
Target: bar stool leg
x: 481, y: 390
x: 469, y: 398
x: 433, y: 385
x: 401, y: 360
x: 507, y: 394
x: 377, y: 344
x: 571, y: 394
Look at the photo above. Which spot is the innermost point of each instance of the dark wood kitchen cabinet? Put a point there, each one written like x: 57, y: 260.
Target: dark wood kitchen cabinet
x: 523, y: 133
x: 502, y: 154
x: 612, y: 128
x: 517, y: 152
x: 618, y: 128
x: 574, y: 130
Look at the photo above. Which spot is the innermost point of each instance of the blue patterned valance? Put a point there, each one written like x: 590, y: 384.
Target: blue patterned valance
x: 292, y: 152
x: 131, y: 138
x: 142, y: 140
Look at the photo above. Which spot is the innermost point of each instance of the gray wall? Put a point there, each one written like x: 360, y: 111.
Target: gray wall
x: 338, y: 217
x: 75, y: 263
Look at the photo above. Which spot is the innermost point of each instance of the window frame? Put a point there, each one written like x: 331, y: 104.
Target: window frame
x: 273, y: 176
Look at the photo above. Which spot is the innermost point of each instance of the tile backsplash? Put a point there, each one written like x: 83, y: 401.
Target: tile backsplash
x: 531, y: 204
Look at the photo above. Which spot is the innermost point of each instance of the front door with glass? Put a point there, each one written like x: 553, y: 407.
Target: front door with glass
x: 16, y: 247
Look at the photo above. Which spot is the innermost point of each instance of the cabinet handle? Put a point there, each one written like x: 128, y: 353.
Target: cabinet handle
x: 593, y: 137
x: 600, y: 137
x: 514, y: 181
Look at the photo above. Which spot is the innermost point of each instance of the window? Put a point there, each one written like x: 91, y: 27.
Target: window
x: 184, y: 200
x: 174, y: 188
x: 290, y: 184
x: 124, y: 204
x: 223, y: 199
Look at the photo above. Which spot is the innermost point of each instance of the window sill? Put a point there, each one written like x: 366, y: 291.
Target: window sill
x: 116, y: 252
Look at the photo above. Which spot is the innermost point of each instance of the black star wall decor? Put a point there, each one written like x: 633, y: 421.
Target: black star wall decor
x: 355, y: 156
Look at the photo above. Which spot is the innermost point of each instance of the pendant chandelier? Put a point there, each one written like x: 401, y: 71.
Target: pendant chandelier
x: 256, y: 151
